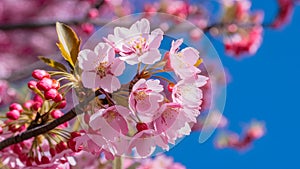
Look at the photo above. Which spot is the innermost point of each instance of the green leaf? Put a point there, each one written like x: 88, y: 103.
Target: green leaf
x: 69, y: 43
x: 53, y: 63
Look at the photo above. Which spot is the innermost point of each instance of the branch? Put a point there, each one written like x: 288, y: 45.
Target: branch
x: 47, y: 127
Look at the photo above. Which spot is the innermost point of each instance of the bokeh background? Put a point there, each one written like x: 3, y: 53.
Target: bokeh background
x: 264, y: 87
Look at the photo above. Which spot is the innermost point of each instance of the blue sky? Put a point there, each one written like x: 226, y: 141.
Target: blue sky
x: 263, y: 87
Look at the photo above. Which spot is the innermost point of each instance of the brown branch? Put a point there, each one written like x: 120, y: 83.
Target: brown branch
x: 47, y: 127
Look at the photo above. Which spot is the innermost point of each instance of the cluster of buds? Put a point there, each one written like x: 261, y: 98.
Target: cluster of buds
x: 48, y: 86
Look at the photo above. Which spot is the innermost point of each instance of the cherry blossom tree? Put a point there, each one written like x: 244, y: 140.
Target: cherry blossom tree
x: 80, y: 113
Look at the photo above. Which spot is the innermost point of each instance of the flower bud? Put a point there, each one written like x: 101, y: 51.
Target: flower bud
x: 16, y: 106
x: 62, y: 104
x: 55, y: 84
x: 32, y: 84
x: 45, y: 160
x: 58, y: 98
x: 50, y: 94
x: 52, y: 151
x: 93, y: 13
x: 13, y: 115
x: 40, y: 74
x: 1, y: 130
x: 170, y: 87
x: 28, y: 104
x: 37, y: 98
x: 141, y: 126
x: 56, y: 114
x: 75, y: 134
x: 36, y: 106
x: 45, y: 84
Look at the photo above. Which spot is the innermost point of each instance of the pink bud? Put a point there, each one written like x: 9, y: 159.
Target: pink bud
x: 62, y: 104
x: 16, y: 106
x: 16, y: 149
x: 37, y: 98
x: 36, y: 106
x: 22, y: 128
x: 61, y: 146
x: 56, y: 114
x: 29, y: 161
x: 45, y: 160
x: 58, y: 98
x: 1, y: 130
x: 45, y: 84
x: 52, y: 151
x: 75, y: 134
x: 50, y: 94
x: 141, y: 126
x: 93, y: 13
x: 32, y: 84
x: 13, y: 115
x: 87, y: 28
x: 40, y: 74
x: 55, y: 84
x: 28, y: 104
x: 37, y: 161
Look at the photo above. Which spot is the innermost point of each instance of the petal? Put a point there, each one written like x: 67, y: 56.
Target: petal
x: 94, y: 120
x: 87, y: 59
x: 154, y: 85
x: 138, y: 84
x: 155, y: 38
x: 175, y: 45
x: 104, y: 52
x: 150, y: 57
x: 117, y: 67
x: 190, y: 55
x: 145, y: 147
x: 142, y: 26
x: 110, y: 83
x: 89, y: 79
x: 130, y: 59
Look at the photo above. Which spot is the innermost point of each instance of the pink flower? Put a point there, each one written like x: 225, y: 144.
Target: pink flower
x: 145, y: 142
x: 188, y: 93
x: 100, y: 68
x: 137, y: 44
x: 173, y: 121
x: 183, y: 62
x: 145, y: 98
x: 160, y: 162
x: 110, y: 122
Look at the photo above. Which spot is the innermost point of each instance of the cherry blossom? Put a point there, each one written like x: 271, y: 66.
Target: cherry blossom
x: 188, y: 93
x: 145, y: 97
x: 101, y: 68
x: 182, y: 62
x: 137, y: 44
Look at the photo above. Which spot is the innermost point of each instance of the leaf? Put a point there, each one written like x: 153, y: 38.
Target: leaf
x: 68, y: 44
x: 53, y: 63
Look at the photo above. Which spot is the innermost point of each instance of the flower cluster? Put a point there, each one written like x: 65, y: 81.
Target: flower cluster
x: 253, y: 131
x: 52, y: 149
x: 151, y: 109
x: 243, y: 30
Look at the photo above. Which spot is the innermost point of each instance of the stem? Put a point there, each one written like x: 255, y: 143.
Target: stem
x: 117, y: 163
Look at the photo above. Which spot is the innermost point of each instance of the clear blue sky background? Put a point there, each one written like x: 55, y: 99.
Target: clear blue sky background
x: 264, y: 87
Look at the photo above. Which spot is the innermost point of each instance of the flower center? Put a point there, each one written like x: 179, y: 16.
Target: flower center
x: 110, y: 116
x: 140, y: 95
x: 138, y: 44
x: 101, y: 70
